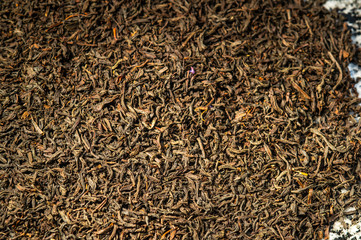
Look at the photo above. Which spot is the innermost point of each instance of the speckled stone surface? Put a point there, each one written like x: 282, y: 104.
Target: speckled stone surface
x: 349, y: 228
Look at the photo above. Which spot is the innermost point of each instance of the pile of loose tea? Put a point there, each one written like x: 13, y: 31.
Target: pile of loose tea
x: 175, y: 120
